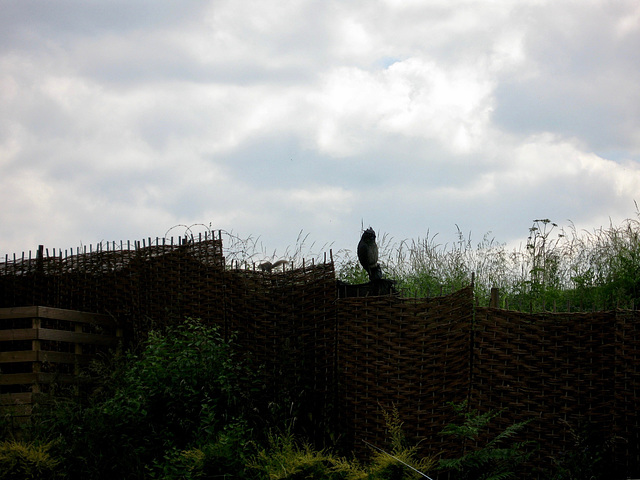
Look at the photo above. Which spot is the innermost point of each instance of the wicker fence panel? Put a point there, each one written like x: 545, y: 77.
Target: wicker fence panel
x: 136, y: 286
x: 560, y: 370
x: 346, y: 359
x: 286, y: 321
x: 627, y: 390
x: 409, y: 354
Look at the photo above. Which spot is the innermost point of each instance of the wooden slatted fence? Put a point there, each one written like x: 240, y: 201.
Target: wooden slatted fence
x: 42, y: 346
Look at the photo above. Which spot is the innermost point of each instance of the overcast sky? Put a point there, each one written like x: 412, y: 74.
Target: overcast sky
x: 121, y: 119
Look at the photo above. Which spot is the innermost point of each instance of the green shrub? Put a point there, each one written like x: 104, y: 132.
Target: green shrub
x: 226, y: 457
x: 22, y: 461
x: 401, y: 462
x: 486, y: 457
x: 183, y: 389
x: 284, y: 459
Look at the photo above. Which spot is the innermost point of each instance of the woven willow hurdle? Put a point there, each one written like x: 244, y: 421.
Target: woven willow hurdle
x: 412, y: 354
x: 561, y: 369
x: 347, y: 358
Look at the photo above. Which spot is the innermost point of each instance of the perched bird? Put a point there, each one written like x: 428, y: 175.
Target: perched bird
x: 368, y: 254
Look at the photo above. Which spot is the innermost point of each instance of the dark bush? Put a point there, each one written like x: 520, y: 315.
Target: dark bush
x: 184, y: 390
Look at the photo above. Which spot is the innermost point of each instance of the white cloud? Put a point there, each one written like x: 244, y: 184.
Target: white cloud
x: 550, y: 158
x: 578, y: 77
x: 410, y: 98
x: 630, y: 23
x: 119, y: 121
x: 330, y: 199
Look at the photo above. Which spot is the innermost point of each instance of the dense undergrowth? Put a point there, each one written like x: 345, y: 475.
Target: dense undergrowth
x: 185, y: 407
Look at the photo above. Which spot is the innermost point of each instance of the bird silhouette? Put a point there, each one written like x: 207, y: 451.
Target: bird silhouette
x: 368, y: 254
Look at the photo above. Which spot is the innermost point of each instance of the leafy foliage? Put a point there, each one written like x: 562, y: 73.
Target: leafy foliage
x: 402, y: 461
x: 495, y: 460
x: 23, y: 461
x: 226, y: 455
x: 589, y: 457
x: 184, y: 390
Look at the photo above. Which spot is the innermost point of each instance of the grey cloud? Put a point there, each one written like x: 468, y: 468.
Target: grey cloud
x: 130, y: 117
x: 536, y: 106
x: 282, y: 161
x: 46, y: 20
x: 581, y: 78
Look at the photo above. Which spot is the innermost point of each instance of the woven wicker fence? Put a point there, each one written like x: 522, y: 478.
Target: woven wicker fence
x: 347, y: 359
x: 136, y: 284
x: 412, y: 354
x: 285, y: 320
x: 562, y: 370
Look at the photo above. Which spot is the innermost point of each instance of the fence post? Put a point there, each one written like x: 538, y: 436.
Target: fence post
x: 40, y: 260
x: 35, y: 347
x: 494, y: 301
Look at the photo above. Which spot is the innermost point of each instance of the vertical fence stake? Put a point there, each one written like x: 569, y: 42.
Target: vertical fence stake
x: 494, y: 301
x: 35, y: 346
x: 40, y: 259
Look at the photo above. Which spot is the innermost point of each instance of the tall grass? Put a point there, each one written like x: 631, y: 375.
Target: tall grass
x: 248, y: 253
x: 555, y: 269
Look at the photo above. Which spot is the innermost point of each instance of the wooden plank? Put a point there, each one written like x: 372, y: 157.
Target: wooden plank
x: 45, y: 356
x: 60, y: 378
x: 18, y: 334
x: 7, y: 399
x: 18, y: 378
x: 35, y: 346
x: 57, y: 336
x: 78, y: 349
x: 494, y: 301
x: 75, y: 337
x: 18, y: 312
x: 19, y: 356
x: 38, y: 378
x: 56, y: 314
x: 76, y: 316
x: 64, y: 357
